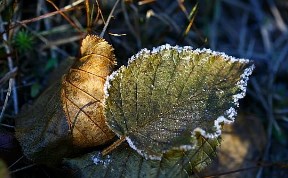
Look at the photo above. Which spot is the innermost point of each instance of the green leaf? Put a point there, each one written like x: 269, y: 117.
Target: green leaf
x: 168, y: 95
x: 35, y: 89
x: 51, y: 64
x: 125, y: 162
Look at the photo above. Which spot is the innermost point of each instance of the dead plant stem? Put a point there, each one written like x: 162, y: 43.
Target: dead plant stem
x: 109, y: 18
x: 10, y: 65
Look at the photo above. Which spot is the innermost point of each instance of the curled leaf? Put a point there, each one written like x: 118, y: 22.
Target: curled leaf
x: 125, y: 162
x: 168, y: 95
x: 69, y: 114
x: 82, y: 92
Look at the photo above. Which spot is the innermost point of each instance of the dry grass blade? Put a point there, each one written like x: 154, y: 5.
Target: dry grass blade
x: 7, y: 76
x: 50, y: 14
x: 192, y: 16
x: 109, y: 18
x: 11, y: 68
x: 22, y: 169
x: 143, y: 2
x: 65, y: 16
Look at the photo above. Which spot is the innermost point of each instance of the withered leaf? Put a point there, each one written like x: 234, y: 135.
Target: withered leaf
x: 125, y: 162
x: 168, y: 95
x: 42, y: 129
x: 68, y: 114
x: 82, y: 92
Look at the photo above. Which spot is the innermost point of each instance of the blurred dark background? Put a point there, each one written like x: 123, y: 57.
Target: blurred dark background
x: 34, y: 47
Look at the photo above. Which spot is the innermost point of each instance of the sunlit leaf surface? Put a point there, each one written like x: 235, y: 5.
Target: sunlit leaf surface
x: 165, y: 96
x: 69, y: 114
x: 82, y: 93
x: 125, y: 162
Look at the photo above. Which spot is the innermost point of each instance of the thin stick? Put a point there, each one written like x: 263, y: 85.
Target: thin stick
x: 8, y: 126
x: 6, y: 98
x: 10, y: 65
x: 109, y: 18
x: 65, y: 16
x: 231, y: 172
x: 7, y: 76
x: 100, y: 13
x: 88, y: 15
x: 16, y: 162
x: 73, y: 4
x: 23, y: 168
x: 143, y: 2
x: 41, y: 17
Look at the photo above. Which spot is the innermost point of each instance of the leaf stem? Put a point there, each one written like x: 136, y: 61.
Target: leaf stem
x: 113, y: 146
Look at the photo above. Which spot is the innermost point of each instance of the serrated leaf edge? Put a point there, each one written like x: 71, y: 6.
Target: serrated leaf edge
x: 229, y: 115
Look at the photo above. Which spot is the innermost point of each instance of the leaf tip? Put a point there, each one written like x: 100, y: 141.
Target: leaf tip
x: 93, y: 44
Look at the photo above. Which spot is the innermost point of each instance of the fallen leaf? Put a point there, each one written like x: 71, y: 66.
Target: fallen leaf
x: 170, y: 94
x: 82, y: 93
x: 42, y: 129
x: 69, y: 114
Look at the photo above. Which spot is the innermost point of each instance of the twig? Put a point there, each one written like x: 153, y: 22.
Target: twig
x: 10, y: 65
x: 8, y: 75
x: 183, y: 8
x: 40, y: 17
x: 109, y: 18
x: 6, y: 98
x: 16, y: 162
x: 65, y: 16
x: 231, y: 172
x: 23, y: 168
x: 73, y: 4
x: 99, y: 13
x: 8, y: 126
x: 88, y: 15
x: 143, y: 2
x: 61, y: 42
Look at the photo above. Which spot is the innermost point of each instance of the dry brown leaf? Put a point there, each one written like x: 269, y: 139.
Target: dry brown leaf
x: 82, y: 92
x: 68, y: 115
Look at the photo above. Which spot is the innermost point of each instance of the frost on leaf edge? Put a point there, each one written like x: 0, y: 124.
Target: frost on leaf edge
x: 228, y: 116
